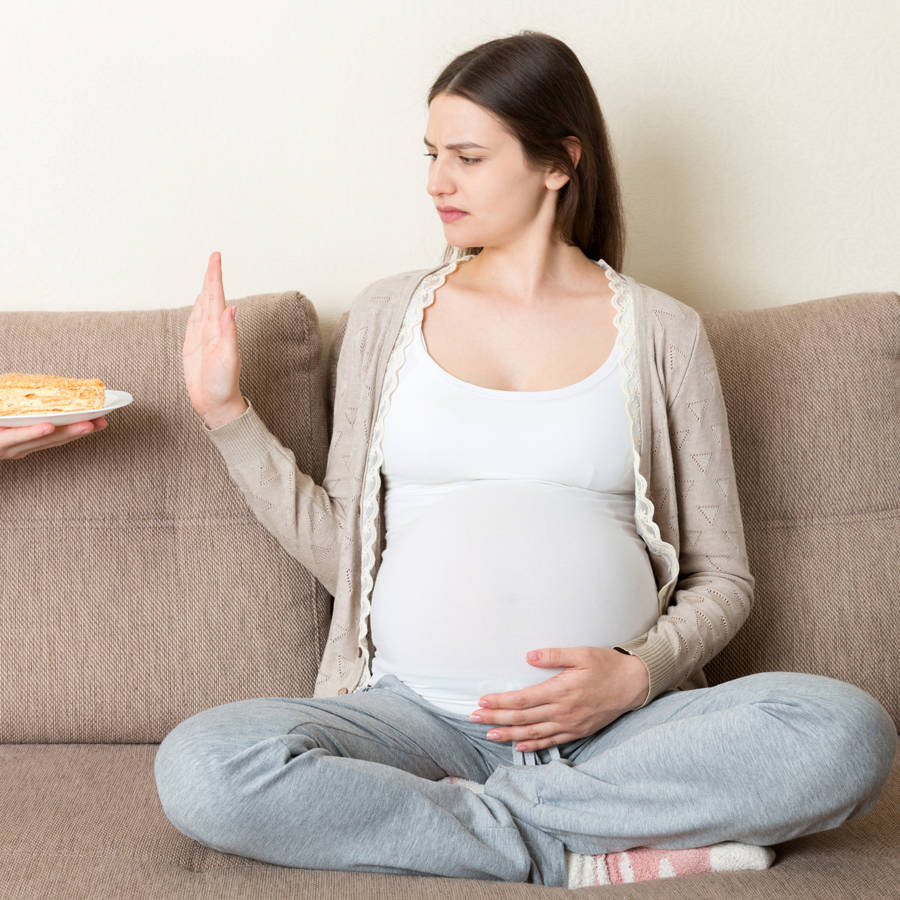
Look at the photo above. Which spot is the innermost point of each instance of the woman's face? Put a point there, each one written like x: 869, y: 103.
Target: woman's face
x: 503, y: 196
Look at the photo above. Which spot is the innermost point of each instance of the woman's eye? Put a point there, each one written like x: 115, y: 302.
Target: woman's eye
x: 468, y: 160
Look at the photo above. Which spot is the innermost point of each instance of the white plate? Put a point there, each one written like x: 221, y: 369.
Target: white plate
x: 112, y: 400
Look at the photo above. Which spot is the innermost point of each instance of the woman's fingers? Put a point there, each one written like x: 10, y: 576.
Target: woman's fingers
x: 206, y: 290
x: 214, y: 291
x: 196, y: 312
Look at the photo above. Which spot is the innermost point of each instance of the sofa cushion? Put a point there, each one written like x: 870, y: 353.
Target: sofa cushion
x: 85, y: 821
x: 811, y: 391
x: 138, y: 588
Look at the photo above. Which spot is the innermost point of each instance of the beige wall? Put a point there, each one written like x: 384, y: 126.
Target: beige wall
x: 757, y: 144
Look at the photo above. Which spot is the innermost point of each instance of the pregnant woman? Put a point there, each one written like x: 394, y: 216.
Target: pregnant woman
x: 530, y: 526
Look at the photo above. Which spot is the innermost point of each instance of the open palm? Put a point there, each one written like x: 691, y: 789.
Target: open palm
x: 210, y: 355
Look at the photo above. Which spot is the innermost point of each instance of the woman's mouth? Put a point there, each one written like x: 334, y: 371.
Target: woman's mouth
x: 451, y: 215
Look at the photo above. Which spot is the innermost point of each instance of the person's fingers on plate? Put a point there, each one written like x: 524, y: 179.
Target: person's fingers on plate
x: 87, y: 425
x: 17, y: 434
x: 74, y: 429
x: 14, y: 437
x: 20, y: 440
x: 34, y: 438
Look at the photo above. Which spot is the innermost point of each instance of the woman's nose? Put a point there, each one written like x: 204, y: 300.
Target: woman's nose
x: 438, y: 182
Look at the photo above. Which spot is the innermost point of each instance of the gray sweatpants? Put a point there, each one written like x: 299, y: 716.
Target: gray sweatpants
x: 352, y: 782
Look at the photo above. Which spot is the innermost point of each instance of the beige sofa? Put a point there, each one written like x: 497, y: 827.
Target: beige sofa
x: 138, y: 588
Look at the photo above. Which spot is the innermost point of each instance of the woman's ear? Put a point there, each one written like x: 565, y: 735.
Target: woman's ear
x: 556, y: 179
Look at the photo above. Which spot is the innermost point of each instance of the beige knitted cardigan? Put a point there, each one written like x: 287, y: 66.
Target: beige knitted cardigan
x: 686, y: 501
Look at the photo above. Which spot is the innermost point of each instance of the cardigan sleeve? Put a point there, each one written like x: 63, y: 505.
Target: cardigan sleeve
x: 713, y: 594
x: 299, y: 513
x: 308, y: 519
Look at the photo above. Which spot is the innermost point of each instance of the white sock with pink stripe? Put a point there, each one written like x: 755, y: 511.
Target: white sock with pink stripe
x: 646, y: 863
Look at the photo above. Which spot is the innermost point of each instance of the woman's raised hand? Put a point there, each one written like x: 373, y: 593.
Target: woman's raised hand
x: 210, y: 355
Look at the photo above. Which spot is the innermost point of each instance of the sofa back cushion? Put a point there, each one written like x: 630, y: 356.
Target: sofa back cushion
x: 811, y: 390
x: 137, y: 587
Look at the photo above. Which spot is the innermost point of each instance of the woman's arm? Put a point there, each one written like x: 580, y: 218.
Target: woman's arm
x: 305, y: 519
x: 714, y: 592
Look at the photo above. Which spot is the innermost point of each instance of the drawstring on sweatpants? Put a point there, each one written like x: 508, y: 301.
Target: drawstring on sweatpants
x: 530, y: 757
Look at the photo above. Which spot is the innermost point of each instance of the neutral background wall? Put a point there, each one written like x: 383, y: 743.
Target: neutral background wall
x: 757, y: 144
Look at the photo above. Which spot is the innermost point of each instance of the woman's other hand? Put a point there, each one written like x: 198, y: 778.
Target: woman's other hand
x: 21, y: 440
x: 210, y: 355
x: 596, y: 686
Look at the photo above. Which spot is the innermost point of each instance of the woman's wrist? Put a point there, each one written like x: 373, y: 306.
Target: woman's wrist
x: 641, y: 681
x: 226, y: 414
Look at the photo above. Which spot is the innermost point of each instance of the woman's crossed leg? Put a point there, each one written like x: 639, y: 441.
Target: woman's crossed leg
x: 759, y: 759
x: 349, y: 782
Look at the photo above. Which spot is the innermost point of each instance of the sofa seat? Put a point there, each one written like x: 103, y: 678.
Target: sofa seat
x: 84, y: 821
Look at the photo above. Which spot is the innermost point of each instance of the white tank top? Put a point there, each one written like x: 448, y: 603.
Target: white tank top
x: 509, y: 526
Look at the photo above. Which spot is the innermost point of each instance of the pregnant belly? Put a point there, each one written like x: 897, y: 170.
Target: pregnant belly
x: 485, y: 571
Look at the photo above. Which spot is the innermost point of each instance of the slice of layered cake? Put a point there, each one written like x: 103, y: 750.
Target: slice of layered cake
x: 23, y: 393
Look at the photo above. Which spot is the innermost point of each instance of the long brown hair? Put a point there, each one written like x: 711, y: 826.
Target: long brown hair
x: 537, y: 87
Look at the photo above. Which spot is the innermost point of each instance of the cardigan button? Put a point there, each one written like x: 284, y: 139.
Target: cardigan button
x: 342, y: 691
x: 358, y: 652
